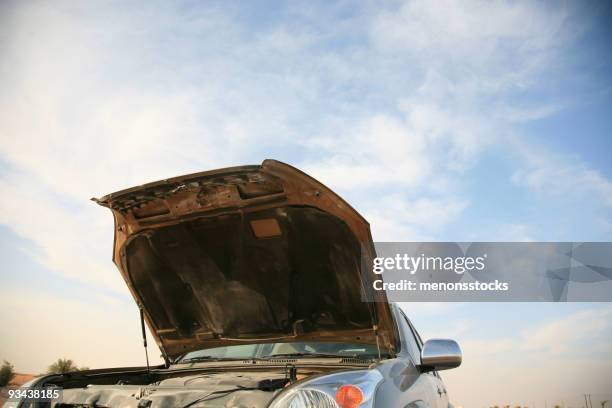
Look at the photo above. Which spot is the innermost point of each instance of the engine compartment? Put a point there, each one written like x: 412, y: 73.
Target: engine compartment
x: 242, y: 389
x: 214, y: 389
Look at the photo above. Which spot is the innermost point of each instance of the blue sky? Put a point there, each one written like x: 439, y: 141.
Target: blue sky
x: 450, y: 121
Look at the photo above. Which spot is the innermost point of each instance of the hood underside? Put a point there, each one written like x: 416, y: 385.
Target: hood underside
x: 248, y: 255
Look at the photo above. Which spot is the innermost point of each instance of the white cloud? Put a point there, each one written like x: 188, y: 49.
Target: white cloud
x: 481, y: 36
x: 77, y: 245
x: 565, y: 336
x: 553, y: 361
x: 561, y: 338
x: 463, y: 24
x: 392, y: 214
x: 380, y: 152
x: 560, y: 178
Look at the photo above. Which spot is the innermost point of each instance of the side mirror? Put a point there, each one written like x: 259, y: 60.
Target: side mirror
x: 440, y: 354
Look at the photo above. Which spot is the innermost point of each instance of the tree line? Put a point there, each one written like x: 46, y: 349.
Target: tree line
x: 60, y: 366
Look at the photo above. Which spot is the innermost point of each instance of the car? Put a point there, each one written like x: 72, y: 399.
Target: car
x: 256, y: 284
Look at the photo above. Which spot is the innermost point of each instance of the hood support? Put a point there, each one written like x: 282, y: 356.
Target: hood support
x: 144, y: 339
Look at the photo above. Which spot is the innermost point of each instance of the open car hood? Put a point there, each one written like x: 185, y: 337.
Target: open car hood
x: 248, y: 254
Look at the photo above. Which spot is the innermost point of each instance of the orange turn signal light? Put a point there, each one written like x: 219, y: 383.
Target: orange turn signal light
x: 349, y: 396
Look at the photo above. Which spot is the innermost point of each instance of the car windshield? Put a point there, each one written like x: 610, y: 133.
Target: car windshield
x: 271, y: 350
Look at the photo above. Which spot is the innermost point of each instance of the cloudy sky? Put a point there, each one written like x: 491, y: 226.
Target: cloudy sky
x: 452, y: 121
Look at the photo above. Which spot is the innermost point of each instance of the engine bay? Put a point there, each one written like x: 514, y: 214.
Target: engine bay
x: 200, y: 390
x: 235, y: 389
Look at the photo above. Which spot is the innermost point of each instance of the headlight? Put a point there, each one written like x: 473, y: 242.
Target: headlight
x: 349, y: 389
x: 311, y: 399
